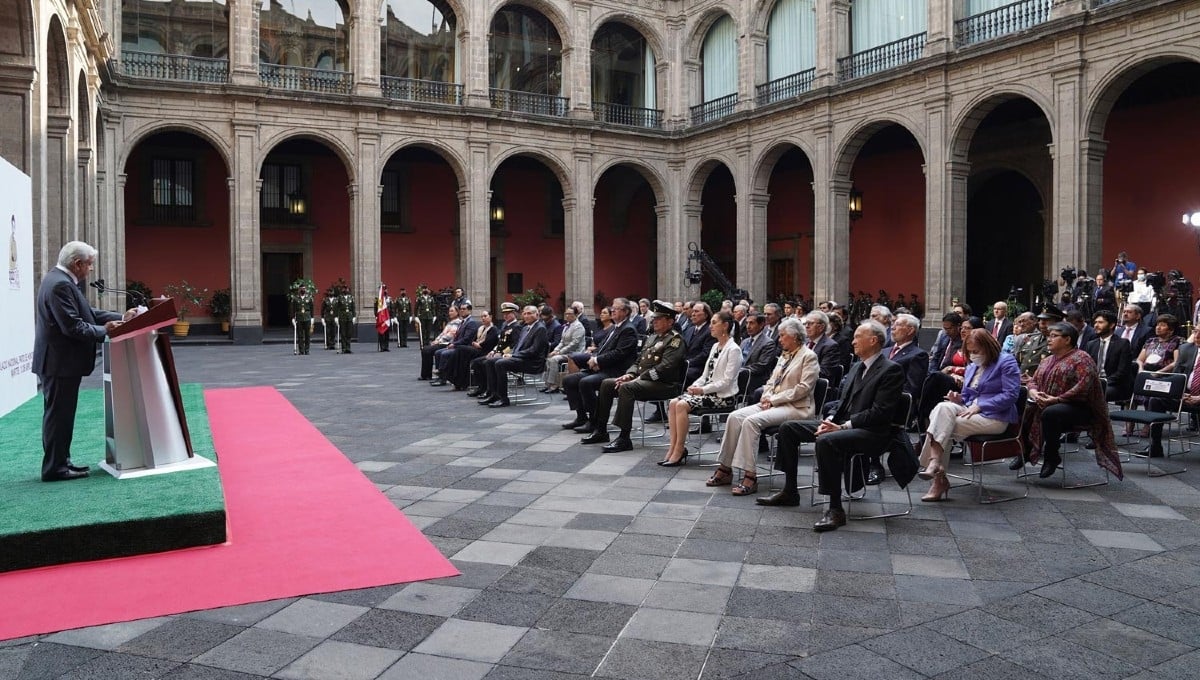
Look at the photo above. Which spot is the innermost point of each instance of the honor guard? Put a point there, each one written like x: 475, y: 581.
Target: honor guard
x: 328, y: 316
x: 402, y: 312
x: 301, y: 297
x: 426, y: 310
x: 383, y: 316
x: 344, y: 309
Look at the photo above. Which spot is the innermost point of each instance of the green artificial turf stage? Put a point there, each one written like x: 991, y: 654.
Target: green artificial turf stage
x: 101, y: 516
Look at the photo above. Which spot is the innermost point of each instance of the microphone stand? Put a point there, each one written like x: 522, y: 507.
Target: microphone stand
x: 98, y: 284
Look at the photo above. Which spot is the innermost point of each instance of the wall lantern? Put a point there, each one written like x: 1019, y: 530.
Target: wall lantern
x: 856, y: 204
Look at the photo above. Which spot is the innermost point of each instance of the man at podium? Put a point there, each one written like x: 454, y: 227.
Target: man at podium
x: 68, y: 329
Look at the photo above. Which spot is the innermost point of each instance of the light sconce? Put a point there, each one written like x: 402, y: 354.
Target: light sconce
x: 856, y: 204
x: 296, y: 204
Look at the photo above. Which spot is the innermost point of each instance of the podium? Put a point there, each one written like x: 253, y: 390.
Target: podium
x: 145, y: 425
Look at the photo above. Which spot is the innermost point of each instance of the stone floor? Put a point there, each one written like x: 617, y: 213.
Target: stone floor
x: 577, y: 564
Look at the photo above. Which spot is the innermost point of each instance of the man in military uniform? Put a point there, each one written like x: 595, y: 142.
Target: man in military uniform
x: 328, y: 316
x: 344, y: 309
x: 510, y: 335
x: 655, y: 375
x: 302, y: 301
x: 1032, y: 348
x: 426, y: 310
x: 402, y: 311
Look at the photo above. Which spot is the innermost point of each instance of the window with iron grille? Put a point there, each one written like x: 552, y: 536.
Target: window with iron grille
x: 172, y: 190
x: 394, y: 203
x: 282, y: 197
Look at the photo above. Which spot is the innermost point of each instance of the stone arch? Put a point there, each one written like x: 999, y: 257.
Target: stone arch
x: 213, y: 138
x: 58, y: 87
x: 452, y: 158
x: 335, y: 145
x: 647, y: 30
x: 986, y: 172
x: 556, y: 165
x: 704, y: 22
x: 760, y: 15
x: 548, y: 9
x: 648, y: 173
x: 967, y: 123
x: 1112, y: 84
x: 700, y: 173
x: 764, y: 165
x: 17, y: 36
x: 861, y: 133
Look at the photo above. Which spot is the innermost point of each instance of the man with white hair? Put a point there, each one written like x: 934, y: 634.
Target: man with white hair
x: 67, y: 331
x: 883, y: 315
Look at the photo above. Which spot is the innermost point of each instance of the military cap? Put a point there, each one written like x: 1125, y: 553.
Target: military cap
x: 1050, y: 312
x: 662, y: 309
x: 509, y: 307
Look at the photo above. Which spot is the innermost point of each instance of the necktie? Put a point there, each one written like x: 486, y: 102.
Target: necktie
x: 1103, y: 354
x: 895, y: 348
x: 1194, y: 383
x: 996, y: 329
x: 812, y: 345
x: 1128, y: 333
x: 746, y: 348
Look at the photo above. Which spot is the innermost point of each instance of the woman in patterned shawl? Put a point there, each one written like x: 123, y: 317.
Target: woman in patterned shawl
x: 1065, y: 393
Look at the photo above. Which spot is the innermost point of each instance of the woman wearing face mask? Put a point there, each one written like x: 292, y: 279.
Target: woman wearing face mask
x: 1143, y: 293
x: 987, y: 404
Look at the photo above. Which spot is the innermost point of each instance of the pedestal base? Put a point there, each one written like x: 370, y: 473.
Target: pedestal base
x: 194, y: 463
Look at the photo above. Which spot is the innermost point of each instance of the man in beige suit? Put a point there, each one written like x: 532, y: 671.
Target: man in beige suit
x: 787, y: 395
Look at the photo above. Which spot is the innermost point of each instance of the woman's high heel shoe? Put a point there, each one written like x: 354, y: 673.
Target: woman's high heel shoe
x: 682, y: 460
x: 930, y: 471
x: 938, y: 490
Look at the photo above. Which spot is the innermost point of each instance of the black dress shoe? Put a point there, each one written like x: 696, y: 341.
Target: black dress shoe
x: 585, y: 428
x: 875, y: 475
x: 437, y: 383
x: 421, y: 377
x: 597, y: 437
x: 475, y: 392
x: 783, y: 498
x: 831, y: 520
x: 63, y: 476
x: 490, y: 400
x: 1049, y: 466
x: 1017, y: 463
x: 579, y: 420
x: 78, y: 468
x: 501, y: 403
x: 655, y: 417
x: 622, y: 443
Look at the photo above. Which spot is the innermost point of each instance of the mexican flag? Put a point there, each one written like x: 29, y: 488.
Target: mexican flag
x: 383, y: 319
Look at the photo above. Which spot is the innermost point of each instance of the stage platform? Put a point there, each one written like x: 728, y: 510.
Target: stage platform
x: 101, y: 517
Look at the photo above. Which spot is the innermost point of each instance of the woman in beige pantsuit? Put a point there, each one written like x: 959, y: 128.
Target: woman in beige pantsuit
x: 787, y: 395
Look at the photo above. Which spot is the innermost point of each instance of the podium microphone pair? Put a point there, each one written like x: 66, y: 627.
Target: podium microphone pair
x: 98, y: 284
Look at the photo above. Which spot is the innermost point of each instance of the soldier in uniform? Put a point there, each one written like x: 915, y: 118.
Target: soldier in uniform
x: 344, y: 309
x: 328, y: 316
x: 426, y: 310
x: 510, y: 335
x: 383, y: 316
x: 302, y: 301
x: 656, y: 374
x: 1033, y: 347
x: 402, y: 311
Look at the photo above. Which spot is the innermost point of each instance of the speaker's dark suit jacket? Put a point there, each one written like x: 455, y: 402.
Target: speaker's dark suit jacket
x: 1118, y: 365
x: 64, y: 350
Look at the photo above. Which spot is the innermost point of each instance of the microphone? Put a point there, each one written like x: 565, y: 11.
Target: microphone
x: 98, y: 284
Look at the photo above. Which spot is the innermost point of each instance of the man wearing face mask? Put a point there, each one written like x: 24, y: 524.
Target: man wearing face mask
x: 1143, y: 293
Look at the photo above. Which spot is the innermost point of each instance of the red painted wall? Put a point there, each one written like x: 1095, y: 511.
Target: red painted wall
x: 790, y: 212
x: 329, y: 212
x: 1150, y: 180
x: 624, y: 253
x: 427, y: 254
x: 887, y: 245
x: 159, y: 255
x: 527, y: 249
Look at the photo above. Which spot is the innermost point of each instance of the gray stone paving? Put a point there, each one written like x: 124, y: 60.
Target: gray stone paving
x: 580, y: 564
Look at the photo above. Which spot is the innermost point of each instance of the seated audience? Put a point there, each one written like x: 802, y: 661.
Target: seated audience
x: 571, y: 341
x: 510, y: 334
x: 442, y: 341
x: 829, y: 354
x: 1113, y: 357
x: 1187, y: 365
x: 609, y: 359
x: 759, y: 351
x: 528, y: 357
x: 716, y: 387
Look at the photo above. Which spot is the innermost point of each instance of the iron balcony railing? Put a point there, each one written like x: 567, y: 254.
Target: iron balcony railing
x: 306, y: 79
x: 428, y: 91
x: 783, y: 88
x: 714, y: 109
x: 528, y: 102
x: 994, y: 23
x: 881, y: 58
x: 620, y: 114
x: 174, y: 67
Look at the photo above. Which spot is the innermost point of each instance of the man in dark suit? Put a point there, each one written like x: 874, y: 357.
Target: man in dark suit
x: 610, y: 360
x: 529, y: 356
x: 467, y: 330
x: 1132, y: 328
x: 947, y: 342
x: 1000, y: 326
x: 457, y: 369
x: 1185, y: 364
x: 862, y: 424
x: 1113, y: 356
x: 829, y: 354
x: 698, y: 340
x: 905, y: 351
x: 67, y: 331
x: 1086, y: 333
x: 759, y: 351
x: 506, y: 342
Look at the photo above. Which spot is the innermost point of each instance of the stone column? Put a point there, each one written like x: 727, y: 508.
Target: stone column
x: 1066, y: 8
x: 952, y: 256
x: 692, y: 227
x: 475, y: 229
x: 1092, y: 220
x: 665, y: 284
x: 939, y: 27
x: 56, y: 225
x: 364, y: 55
x: 833, y: 39
x: 831, y: 221
x: 473, y: 43
x: 243, y: 42
x: 676, y: 102
x: 1068, y: 243
x: 580, y: 240
x: 752, y: 67
x: 16, y: 95
x: 245, y: 238
x: 365, y: 230
x: 945, y: 239
x: 753, y: 262
x: 117, y: 248
x: 577, y: 64
x: 86, y: 229
x: 110, y: 205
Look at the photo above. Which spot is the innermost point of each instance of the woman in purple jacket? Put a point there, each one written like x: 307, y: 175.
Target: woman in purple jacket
x: 987, y: 404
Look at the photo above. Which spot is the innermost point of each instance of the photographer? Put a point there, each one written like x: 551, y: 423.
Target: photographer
x: 1123, y: 270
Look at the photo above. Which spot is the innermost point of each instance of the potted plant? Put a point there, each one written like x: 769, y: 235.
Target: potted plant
x: 221, y: 306
x: 187, y: 297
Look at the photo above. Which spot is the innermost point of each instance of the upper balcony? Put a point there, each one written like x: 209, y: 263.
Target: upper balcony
x: 1001, y: 21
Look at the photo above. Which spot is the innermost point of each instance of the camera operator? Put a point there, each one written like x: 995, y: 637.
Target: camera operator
x: 1123, y: 269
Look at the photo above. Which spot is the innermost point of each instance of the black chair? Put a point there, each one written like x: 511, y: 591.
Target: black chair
x: 981, y: 450
x: 770, y: 434
x: 659, y: 403
x: 1168, y: 386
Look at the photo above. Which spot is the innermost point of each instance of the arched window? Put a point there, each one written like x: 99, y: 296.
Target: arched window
x: 718, y: 59
x: 791, y: 38
x: 306, y: 33
x: 526, y: 52
x: 195, y: 28
x: 417, y: 40
x: 622, y: 67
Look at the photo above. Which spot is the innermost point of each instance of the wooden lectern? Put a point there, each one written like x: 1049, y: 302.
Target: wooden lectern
x: 145, y: 425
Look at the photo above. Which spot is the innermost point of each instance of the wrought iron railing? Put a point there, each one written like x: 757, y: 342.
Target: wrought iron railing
x: 714, y: 109
x: 174, y: 67
x: 881, y: 58
x: 620, y: 114
x: 994, y: 23
x: 786, y: 87
x: 429, y: 91
x: 306, y: 79
x: 528, y: 102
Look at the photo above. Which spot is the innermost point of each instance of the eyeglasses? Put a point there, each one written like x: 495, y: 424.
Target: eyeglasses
x: 1055, y: 335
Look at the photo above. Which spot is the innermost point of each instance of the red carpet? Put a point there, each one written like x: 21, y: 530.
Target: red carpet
x: 302, y: 520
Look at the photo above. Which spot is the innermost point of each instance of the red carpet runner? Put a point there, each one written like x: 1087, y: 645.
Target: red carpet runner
x: 302, y: 520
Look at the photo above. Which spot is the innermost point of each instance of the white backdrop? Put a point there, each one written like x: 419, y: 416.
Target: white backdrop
x: 17, y: 382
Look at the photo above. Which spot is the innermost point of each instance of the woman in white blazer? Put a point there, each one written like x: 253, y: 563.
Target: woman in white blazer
x: 715, y: 388
x: 573, y: 337
x: 787, y: 395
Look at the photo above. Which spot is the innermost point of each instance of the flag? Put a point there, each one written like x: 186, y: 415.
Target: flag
x: 383, y: 318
